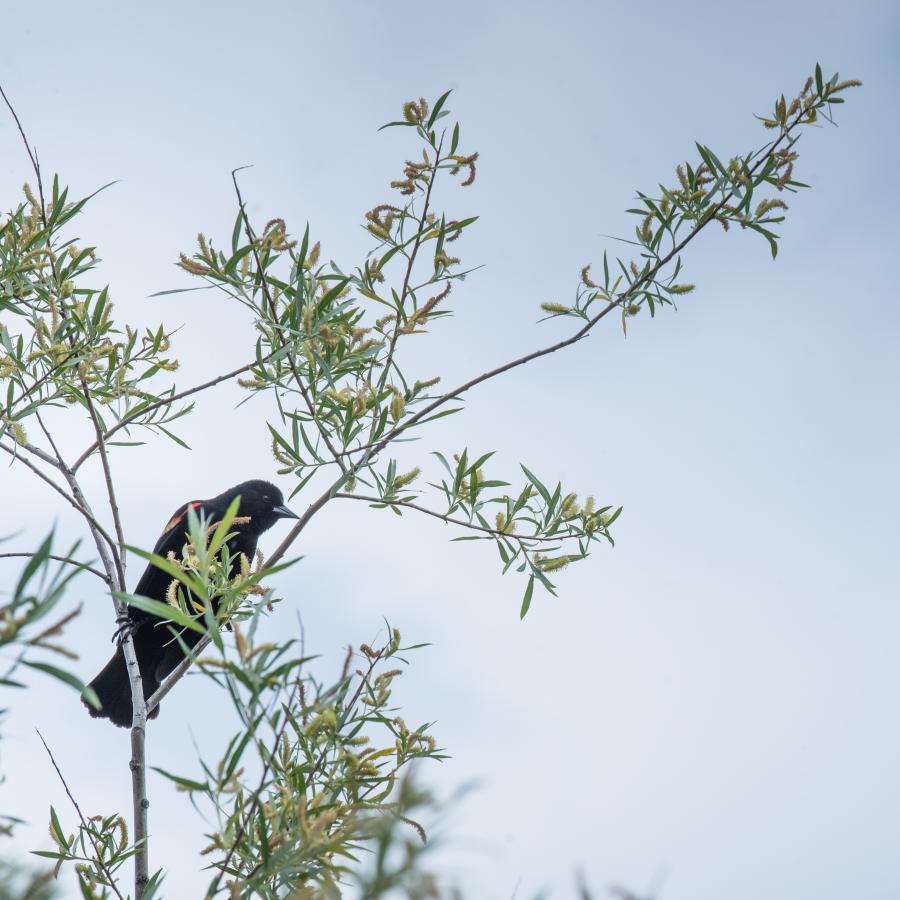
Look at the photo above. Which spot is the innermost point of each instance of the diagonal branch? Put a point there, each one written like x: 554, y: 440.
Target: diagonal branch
x: 374, y: 447
x: 6, y: 413
x: 92, y: 522
x: 109, y: 878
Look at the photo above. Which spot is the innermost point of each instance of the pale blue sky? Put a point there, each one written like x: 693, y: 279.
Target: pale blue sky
x: 715, y: 699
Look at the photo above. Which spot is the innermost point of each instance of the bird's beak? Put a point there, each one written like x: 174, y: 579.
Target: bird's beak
x: 282, y: 512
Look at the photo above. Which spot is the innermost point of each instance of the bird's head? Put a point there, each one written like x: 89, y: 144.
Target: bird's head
x: 261, y: 501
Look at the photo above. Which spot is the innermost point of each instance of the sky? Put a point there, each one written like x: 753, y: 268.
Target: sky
x: 707, y: 710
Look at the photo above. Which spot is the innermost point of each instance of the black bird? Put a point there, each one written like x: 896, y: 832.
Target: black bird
x: 157, y: 652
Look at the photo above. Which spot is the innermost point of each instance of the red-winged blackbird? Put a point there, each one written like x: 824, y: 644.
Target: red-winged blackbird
x: 158, y: 653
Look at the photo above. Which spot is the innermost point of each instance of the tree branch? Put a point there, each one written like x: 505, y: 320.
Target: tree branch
x: 377, y: 446
x: 110, y: 490
x: 62, y: 559
x: 107, y: 553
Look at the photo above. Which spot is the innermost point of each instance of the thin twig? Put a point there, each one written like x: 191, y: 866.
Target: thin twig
x: 107, y: 475
x: 44, y: 378
x: 462, y: 523
x: 257, y: 794
x: 302, y: 522
x: 156, y: 698
x: 109, y: 878
x: 107, y: 555
x: 67, y: 497
x: 411, y: 259
x: 32, y: 156
x: 62, y: 559
x: 42, y: 455
x: 274, y: 313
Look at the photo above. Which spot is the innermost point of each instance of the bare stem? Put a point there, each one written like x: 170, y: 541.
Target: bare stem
x: 97, y: 853
x: 62, y: 559
x: 462, y: 523
x: 107, y: 475
x: 155, y: 699
x: 42, y: 455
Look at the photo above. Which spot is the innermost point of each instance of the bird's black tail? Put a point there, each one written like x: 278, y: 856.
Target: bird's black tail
x: 114, y: 692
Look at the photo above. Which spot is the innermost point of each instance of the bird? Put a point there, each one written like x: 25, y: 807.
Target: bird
x: 158, y: 653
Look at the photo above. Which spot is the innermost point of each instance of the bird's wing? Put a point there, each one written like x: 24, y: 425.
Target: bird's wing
x: 154, y: 581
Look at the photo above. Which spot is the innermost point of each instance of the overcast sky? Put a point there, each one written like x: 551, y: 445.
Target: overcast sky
x: 710, y: 706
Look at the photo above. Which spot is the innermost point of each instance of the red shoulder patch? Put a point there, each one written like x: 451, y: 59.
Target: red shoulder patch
x: 180, y: 514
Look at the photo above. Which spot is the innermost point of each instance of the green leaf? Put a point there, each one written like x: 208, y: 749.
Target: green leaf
x: 186, y: 783
x: 153, y: 885
x: 56, y: 828
x: 770, y: 236
x: 437, y: 108
x: 537, y: 483
x: 526, y: 600
x: 236, y: 232
x: 395, y: 124
x: 172, y: 436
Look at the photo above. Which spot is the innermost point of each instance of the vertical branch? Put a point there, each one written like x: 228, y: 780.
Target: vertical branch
x: 304, y: 392
x: 107, y: 475
x: 115, y: 576
x: 404, y: 291
x: 105, y: 545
